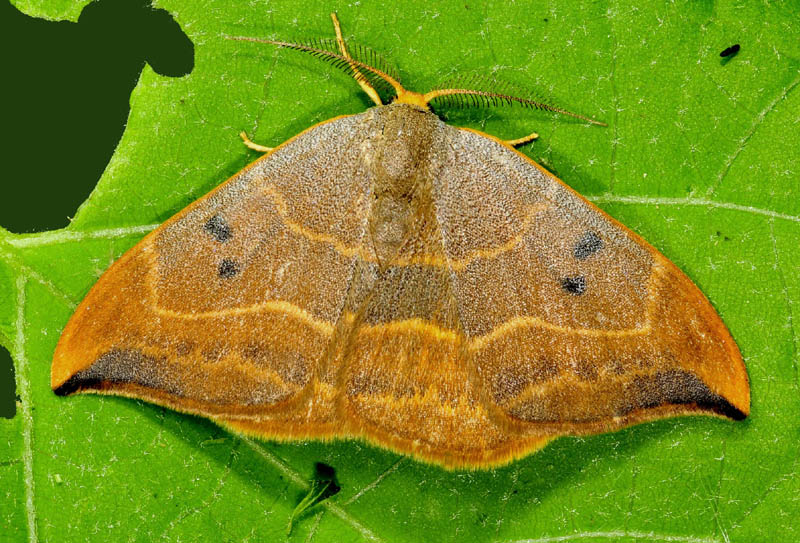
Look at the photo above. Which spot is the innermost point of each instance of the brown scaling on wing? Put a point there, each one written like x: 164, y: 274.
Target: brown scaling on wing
x: 226, y: 309
x: 583, y: 327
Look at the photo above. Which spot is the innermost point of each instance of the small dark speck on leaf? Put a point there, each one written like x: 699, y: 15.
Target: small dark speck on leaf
x: 730, y: 51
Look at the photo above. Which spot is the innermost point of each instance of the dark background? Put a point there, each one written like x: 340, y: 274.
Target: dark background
x: 65, y: 104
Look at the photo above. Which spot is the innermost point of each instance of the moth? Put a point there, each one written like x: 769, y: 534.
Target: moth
x: 388, y: 277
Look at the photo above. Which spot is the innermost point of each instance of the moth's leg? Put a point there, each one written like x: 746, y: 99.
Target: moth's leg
x: 522, y: 141
x: 357, y: 75
x: 252, y: 145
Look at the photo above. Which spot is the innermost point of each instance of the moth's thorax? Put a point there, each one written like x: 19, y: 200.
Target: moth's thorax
x: 402, y: 141
x: 402, y: 168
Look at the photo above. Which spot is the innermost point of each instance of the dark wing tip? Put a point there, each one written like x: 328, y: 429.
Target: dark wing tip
x: 726, y: 409
x: 76, y: 384
x: 116, y: 367
x: 680, y: 387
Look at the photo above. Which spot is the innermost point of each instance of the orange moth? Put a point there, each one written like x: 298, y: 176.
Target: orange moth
x: 427, y: 288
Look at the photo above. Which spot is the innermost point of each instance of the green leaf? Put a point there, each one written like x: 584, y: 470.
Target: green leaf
x: 700, y: 157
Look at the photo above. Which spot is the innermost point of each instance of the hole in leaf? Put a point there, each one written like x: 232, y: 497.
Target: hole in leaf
x: 67, y: 100
x: 8, y: 398
x: 324, y: 473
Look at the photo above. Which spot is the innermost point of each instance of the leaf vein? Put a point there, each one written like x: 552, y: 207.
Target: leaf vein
x: 686, y: 201
x: 788, y: 476
x: 787, y: 300
x: 715, y: 500
x: 33, y: 274
x: 615, y: 101
x: 615, y: 535
x: 212, y: 497
x: 25, y: 409
x: 54, y: 237
x: 391, y: 469
x: 743, y: 141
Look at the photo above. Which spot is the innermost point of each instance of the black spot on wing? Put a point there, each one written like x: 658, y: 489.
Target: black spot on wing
x: 588, y: 245
x: 217, y: 228
x: 228, y: 268
x: 574, y: 285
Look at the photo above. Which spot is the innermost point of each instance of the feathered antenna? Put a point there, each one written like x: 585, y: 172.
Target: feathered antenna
x: 359, y: 55
x: 365, y: 65
x: 480, y: 91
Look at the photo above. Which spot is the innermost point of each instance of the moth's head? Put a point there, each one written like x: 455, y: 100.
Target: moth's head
x: 412, y: 98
